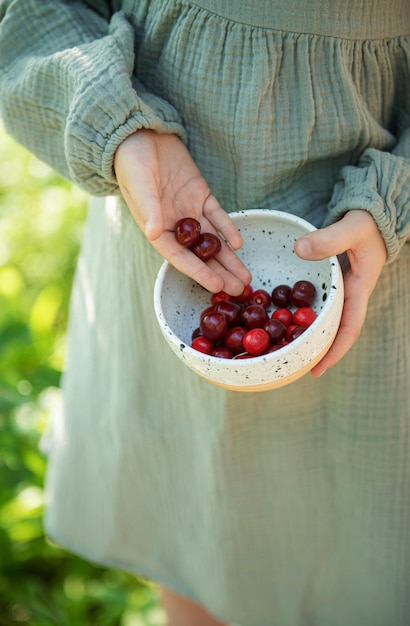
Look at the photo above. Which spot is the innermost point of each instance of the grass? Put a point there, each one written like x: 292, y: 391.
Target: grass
x: 41, y: 225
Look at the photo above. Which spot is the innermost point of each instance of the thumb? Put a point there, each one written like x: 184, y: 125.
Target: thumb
x: 325, y: 242
x: 145, y: 207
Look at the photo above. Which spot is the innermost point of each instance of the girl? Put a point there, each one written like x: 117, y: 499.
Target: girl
x: 283, y: 508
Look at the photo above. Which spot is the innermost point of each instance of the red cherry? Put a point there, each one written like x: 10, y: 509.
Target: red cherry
x: 262, y: 297
x: 221, y: 295
x: 202, y: 344
x: 284, y: 315
x: 233, y: 338
x: 297, y: 331
x: 280, y: 296
x: 273, y: 347
x: 305, y: 316
x: 196, y: 333
x: 222, y: 352
x: 231, y: 310
x: 187, y: 231
x: 207, y: 246
x: 289, y: 331
x: 209, y: 309
x: 303, y: 293
x: 254, y: 316
x: 245, y: 296
x: 275, y: 329
x: 214, y: 325
x: 256, y: 341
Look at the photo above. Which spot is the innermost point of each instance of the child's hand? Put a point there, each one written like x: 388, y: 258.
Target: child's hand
x: 161, y: 184
x: 358, y: 235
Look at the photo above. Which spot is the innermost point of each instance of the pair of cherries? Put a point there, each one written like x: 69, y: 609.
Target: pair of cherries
x: 203, y: 245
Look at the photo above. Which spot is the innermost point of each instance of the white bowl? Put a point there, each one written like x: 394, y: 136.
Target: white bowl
x: 268, y: 252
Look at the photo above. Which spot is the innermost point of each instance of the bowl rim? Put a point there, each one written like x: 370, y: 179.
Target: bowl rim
x: 335, y: 277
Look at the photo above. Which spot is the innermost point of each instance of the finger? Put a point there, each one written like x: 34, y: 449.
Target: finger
x: 145, y: 207
x: 351, y: 323
x: 350, y: 232
x: 226, y: 263
x: 222, y: 223
x: 233, y: 272
x: 324, y: 242
x: 212, y: 275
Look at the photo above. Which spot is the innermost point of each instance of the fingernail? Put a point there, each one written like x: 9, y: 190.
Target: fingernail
x: 317, y: 373
x: 303, y: 248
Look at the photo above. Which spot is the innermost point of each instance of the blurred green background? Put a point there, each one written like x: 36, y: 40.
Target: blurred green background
x: 41, y: 224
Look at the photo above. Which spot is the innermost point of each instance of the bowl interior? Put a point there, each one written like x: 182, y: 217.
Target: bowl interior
x: 268, y: 252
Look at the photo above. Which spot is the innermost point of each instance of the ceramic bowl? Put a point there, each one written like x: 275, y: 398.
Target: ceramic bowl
x: 268, y: 252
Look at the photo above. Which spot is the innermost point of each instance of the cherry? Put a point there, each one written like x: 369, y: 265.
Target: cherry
x: 281, y: 296
x: 289, y: 331
x: 214, y: 325
x: 256, y: 341
x: 254, y: 316
x: 202, y: 344
x: 275, y: 329
x: 187, y: 231
x: 297, y: 331
x: 222, y: 352
x: 233, y: 338
x: 284, y: 315
x: 207, y: 246
x: 209, y: 309
x: 262, y: 297
x: 196, y: 333
x: 274, y: 346
x: 231, y: 310
x: 303, y: 293
x: 245, y: 296
x: 305, y: 316
x: 221, y: 295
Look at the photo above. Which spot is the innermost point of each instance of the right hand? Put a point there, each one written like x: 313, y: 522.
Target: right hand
x: 358, y: 237
x: 161, y: 184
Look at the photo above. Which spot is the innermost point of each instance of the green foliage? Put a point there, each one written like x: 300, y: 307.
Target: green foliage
x: 41, y: 224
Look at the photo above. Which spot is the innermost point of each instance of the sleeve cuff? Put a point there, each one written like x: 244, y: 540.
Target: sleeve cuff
x: 99, y: 124
x: 380, y: 184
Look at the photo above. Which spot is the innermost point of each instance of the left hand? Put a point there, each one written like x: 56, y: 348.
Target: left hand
x: 161, y: 183
x: 357, y: 235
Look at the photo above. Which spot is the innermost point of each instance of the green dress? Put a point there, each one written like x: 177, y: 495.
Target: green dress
x: 284, y: 508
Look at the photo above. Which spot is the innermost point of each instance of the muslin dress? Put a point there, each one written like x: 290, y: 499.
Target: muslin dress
x: 284, y: 508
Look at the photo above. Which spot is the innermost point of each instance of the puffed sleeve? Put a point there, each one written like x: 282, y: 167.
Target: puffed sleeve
x: 67, y: 89
x: 380, y: 184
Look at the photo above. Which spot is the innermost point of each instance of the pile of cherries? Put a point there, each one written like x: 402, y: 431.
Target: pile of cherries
x: 239, y: 327
x: 245, y: 326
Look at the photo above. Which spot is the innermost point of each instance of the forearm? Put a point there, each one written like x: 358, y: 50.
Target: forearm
x: 379, y: 184
x: 67, y: 90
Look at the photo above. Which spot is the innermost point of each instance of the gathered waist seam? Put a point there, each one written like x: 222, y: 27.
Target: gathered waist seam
x: 351, y: 19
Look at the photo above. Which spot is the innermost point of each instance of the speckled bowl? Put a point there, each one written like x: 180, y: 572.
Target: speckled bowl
x: 268, y: 252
